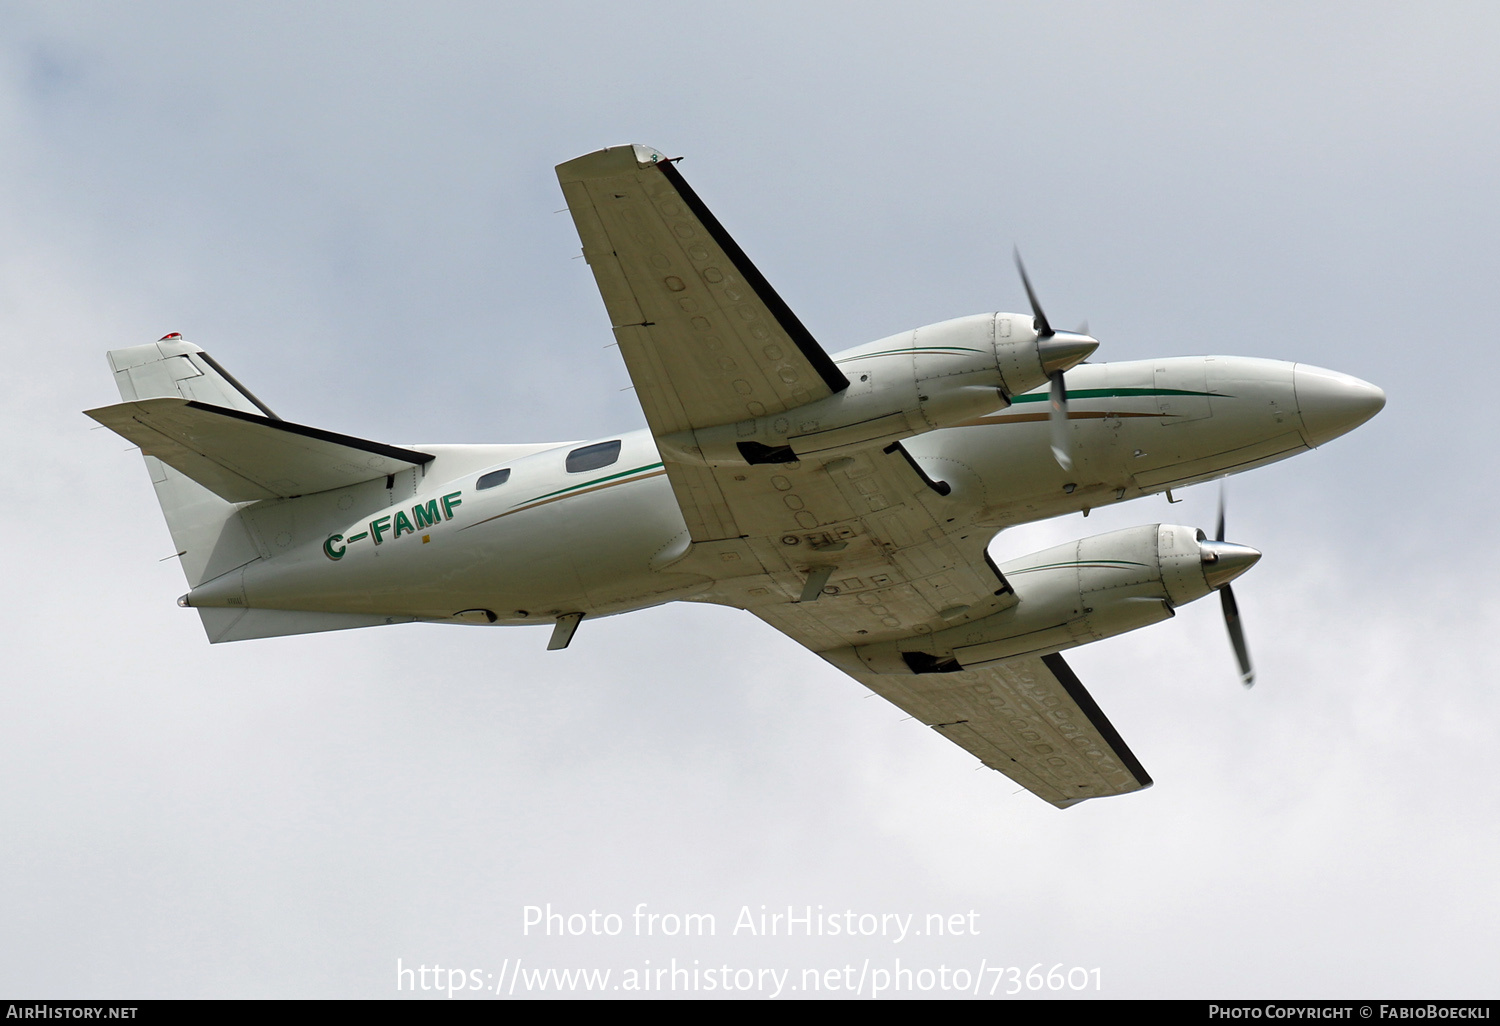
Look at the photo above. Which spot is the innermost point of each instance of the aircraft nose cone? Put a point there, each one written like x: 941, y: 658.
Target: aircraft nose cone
x: 1224, y: 561
x: 1332, y: 404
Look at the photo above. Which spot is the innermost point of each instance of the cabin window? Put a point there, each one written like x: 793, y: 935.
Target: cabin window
x: 493, y: 478
x: 592, y: 457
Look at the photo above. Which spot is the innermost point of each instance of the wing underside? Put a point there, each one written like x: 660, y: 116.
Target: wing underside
x: 706, y: 339
x: 1028, y: 718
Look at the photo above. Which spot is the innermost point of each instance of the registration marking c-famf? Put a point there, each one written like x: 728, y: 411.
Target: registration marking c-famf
x: 422, y: 515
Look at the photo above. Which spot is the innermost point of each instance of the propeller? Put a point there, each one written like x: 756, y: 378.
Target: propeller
x: 1229, y: 562
x: 1062, y: 442
x: 1059, y: 350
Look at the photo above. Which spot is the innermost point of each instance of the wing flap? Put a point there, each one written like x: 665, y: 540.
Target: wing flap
x: 243, y: 457
x: 896, y: 557
x: 704, y: 507
x: 654, y: 387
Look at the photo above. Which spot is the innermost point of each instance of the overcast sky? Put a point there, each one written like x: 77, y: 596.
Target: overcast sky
x: 352, y: 208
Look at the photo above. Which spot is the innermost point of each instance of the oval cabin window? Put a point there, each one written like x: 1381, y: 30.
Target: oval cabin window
x: 592, y: 457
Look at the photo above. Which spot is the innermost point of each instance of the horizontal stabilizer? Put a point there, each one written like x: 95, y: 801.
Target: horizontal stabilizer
x: 243, y: 457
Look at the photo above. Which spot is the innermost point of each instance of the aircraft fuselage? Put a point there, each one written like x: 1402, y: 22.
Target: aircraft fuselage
x: 432, y: 544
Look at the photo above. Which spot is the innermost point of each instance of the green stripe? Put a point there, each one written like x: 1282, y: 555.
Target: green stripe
x: 585, y: 484
x: 1113, y: 393
x: 916, y: 349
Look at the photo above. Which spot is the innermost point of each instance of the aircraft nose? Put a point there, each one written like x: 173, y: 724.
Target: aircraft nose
x: 1332, y: 404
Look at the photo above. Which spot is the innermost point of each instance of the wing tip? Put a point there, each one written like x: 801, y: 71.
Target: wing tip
x: 1068, y: 803
x: 610, y: 161
x: 1074, y: 687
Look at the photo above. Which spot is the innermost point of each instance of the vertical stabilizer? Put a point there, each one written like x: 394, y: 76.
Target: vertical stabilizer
x: 207, y: 532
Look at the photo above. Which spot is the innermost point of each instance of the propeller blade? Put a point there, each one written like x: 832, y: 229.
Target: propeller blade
x: 1043, y: 326
x: 1232, y: 610
x: 1058, y: 352
x: 1237, y: 634
x: 1062, y: 434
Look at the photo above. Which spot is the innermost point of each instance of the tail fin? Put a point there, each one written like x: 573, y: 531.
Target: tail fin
x: 208, y: 531
x: 173, y: 369
x: 209, y: 536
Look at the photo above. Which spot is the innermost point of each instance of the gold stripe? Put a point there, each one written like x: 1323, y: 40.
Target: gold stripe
x: 559, y: 498
x: 1035, y: 418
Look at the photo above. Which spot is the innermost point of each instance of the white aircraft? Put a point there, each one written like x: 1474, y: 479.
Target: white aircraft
x: 847, y: 500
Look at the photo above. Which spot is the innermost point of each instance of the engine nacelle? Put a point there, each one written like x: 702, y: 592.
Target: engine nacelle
x: 1070, y: 595
x: 934, y: 377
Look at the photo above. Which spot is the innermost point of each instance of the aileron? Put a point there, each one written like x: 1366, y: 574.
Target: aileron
x: 1030, y: 719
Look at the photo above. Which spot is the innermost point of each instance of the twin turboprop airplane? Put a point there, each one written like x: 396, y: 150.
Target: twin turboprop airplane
x: 847, y: 500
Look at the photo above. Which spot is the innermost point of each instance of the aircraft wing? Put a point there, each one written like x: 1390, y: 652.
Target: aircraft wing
x: 705, y: 337
x: 1029, y: 718
x: 864, y: 549
x: 867, y: 549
